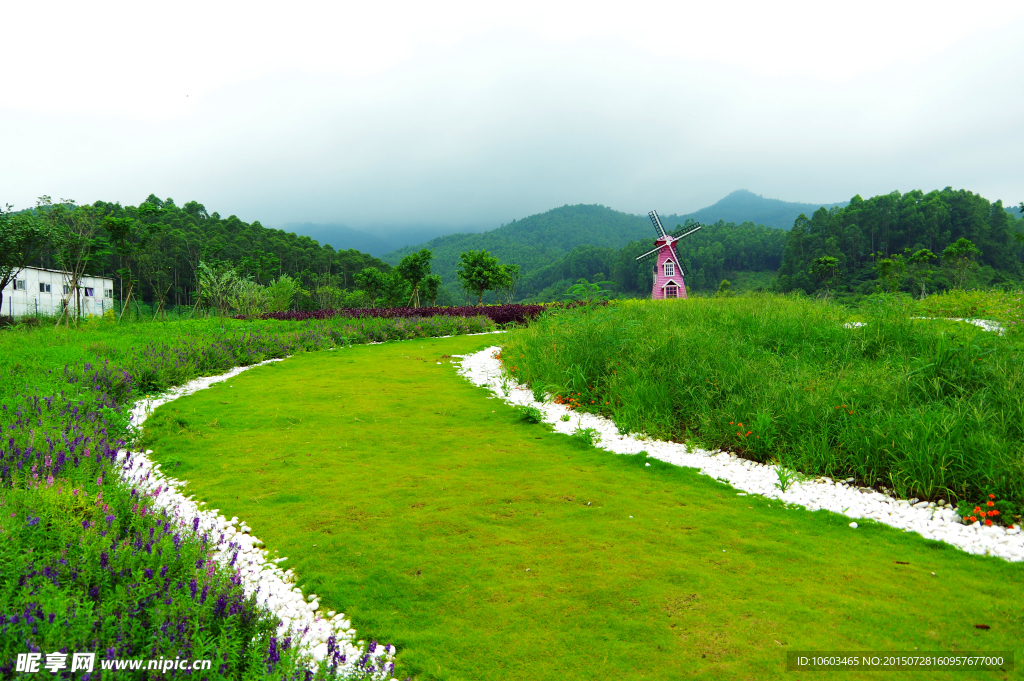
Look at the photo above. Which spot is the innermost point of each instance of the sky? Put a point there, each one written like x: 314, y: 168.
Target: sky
x: 398, y: 114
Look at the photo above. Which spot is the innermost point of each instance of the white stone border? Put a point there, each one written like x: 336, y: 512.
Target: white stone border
x: 925, y: 518
x: 233, y: 545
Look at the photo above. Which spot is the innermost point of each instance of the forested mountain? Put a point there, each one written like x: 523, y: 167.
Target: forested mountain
x: 706, y: 255
x: 553, y: 247
x: 888, y: 224
x: 376, y: 243
x: 169, y: 241
x: 743, y: 206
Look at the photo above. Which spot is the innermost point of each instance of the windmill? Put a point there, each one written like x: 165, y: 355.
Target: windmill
x: 668, y: 270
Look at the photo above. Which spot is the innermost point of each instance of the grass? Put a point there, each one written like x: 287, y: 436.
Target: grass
x: 928, y: 408
x: 490, y: 548
x: 86, y: 564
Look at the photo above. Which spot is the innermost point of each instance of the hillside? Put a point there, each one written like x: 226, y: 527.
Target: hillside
x: 743, y: 206
x: 540, y: 244
x: 556, y: 248
x: 376, y: 243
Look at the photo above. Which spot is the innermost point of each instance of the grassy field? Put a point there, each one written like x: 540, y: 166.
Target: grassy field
x: 487, y: 548
x: 86, y: 564
x: 927, y: 408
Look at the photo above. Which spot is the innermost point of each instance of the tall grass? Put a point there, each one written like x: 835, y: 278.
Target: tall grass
x: 927, y: 408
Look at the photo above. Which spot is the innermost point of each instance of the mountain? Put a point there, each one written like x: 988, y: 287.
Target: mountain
x: 540, y: 241
x: 743, y: 206
x: 343, y: 237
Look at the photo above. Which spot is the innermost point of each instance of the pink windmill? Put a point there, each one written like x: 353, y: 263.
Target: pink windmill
x: 668, y: 271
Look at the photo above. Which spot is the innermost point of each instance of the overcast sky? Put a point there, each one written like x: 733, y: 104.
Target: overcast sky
x: 377, y: 114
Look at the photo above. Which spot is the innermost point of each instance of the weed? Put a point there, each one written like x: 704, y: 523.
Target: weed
x: 564, y: 417
x: 531, y: 414
x: 786, y: 477
x: 588, y: 437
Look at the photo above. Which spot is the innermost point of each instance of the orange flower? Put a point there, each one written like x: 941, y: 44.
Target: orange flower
x: 988, y: 522
x: 738, y: 434
x: 991, y: 496
x: 730, y: 423
x: 741, y: 425
x: 748, y: 433
x: 983, y: 514
x: 993, y: 512
x: 977, y: 509
x: 990, y: 503
x: 974, y: 519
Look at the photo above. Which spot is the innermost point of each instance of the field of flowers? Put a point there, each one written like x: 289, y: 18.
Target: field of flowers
x: 86, y: 563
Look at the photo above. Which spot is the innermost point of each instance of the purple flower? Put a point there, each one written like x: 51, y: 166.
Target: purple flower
x: 104, y: 559
x: 149, y: 573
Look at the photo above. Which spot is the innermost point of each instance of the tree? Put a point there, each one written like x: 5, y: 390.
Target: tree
x: 588, y: 292
x: 960, y: 258
x: 479, y: 272
x: 891, y: 270
x: 431, y: 285
x: 414, y: 268
x: 724, y: 289
x: 920, y: 267
x: 507, y: 289
x: 22, y: 236
x: 76, y: 245
x: 826, y: 268
x: 128, y: 237
x: 373, y: 282
x: 216, y: 285
x: 280, y: 294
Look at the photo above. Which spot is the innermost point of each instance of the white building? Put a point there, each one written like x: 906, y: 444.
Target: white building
x: 38, y: 291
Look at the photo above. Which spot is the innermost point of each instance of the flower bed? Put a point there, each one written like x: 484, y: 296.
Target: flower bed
x: 93, y: 556
x: 499, y: 314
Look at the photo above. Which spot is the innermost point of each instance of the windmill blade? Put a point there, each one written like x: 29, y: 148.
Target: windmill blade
x: 648, y: 253
x: 657, y: 222
x: 677, y: 234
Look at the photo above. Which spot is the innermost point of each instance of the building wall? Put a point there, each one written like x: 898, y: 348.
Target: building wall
x: 24, y: 296
x: 667, y: 253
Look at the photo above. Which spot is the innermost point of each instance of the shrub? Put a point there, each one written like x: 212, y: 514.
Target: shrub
x: 531, y: 414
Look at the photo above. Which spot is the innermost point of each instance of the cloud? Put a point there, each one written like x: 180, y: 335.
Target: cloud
x: 475, y: 124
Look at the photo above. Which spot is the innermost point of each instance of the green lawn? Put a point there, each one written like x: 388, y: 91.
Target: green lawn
x: 442, y: 523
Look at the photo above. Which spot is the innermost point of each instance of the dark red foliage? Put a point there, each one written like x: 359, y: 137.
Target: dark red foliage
x: 500, y: 314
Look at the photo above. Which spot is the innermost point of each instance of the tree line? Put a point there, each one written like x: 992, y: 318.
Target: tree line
x: 910, y: 242
x: 161, y: 255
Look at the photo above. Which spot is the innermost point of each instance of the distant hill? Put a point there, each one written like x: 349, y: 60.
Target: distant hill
x: 541, y: 240
x: 743, y: 206
x: 375, y: 243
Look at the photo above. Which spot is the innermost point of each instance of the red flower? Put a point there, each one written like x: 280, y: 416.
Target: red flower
x: 977, y: 509
x: 993, y: 512
x: 988, y: 522
x: 991, y: 496
x: 749, y: 432
x: 990, y: 503
x: 730, y: 423
x: 974, y: 519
